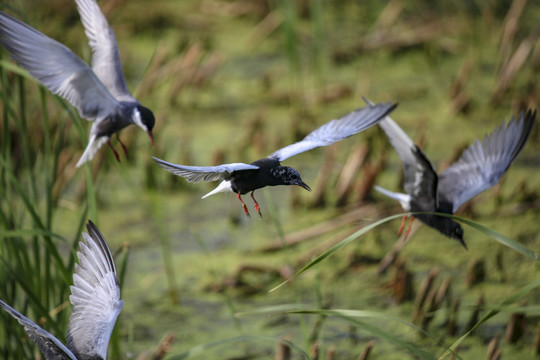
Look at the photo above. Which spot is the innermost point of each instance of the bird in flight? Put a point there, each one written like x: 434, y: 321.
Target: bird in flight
x: 479, y: 168
x: 242, y: 178
x: 99, y: 93
x: 95, y: 296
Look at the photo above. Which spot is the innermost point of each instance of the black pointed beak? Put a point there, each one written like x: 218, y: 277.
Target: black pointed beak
x: 304, y: 185
x: 149, y: 132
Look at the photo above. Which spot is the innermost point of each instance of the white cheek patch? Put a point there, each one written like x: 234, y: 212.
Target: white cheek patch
x: 136, y: 117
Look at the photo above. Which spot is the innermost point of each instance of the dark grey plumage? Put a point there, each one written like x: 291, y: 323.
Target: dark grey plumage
x: 479, y: 168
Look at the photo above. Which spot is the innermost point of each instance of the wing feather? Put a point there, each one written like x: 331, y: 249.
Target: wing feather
x: 50, y: 346
x: 204, y: 173
x: 484, y: 162
x: 336, y: 130
x: 420, y: 178
x: 405, y: 148
x: 95, y: 296
x: 106, y: 61
x: 56, y: 67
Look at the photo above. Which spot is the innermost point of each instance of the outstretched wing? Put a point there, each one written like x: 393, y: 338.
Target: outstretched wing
x: 95, y: 296
x: 336, y: 130
x: 414, y: 161
x: 50, y: 346
x: 484, y: 162
x: 204, y: 173
x: 105, y: 56
x: 56, y: 67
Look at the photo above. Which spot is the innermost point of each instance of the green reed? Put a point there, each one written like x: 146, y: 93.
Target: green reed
x: 37, y: 262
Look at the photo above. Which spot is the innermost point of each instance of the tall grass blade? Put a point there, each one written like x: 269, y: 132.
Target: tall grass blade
x: 489, y: 232
x: 337, y: 247
x: 506, y: 241
x: 35, y: 274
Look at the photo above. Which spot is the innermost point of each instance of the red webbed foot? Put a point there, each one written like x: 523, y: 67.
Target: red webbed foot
x: 402, y: 226
x: 410, y: 227
x: 243, y: 205
x: 114, y: 150
x: 121, y: 143
x: 257, y: 207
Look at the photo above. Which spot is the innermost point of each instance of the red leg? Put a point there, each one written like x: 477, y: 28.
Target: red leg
x: 402, y: 226
x: 410, y: 227
x: 114, y: 150
x: 243, y: 204
x: 121, y: 143
x: 256, y: 204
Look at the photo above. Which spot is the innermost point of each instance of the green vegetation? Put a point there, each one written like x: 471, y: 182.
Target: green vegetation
x: 233, y: 81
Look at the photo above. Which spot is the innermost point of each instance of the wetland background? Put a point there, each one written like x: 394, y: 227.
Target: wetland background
x: 232, y: 81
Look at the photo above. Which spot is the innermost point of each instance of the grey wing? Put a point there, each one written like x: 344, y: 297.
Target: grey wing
x: 336, y: 130
x: 204, y: 173
x: 56, y: 67
x: 50, y: 346
x: 105, y: 56
x: 95, y: 296
x: 405, y: 149
x: 484, y: 162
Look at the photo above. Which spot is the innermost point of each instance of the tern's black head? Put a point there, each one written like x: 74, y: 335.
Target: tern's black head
x: 146, y: 121
x: 147, y: 117
x: 289, y: 176
x: 452, y: 229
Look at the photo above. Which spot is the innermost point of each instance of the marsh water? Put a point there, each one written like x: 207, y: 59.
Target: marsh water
x: 232, y: 81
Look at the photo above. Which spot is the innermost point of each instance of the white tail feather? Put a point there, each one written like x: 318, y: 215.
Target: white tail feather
x: 223, y: 186
x: 92, y: 149
x: 404, y: 199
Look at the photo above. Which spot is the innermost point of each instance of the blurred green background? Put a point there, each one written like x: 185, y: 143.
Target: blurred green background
x: 232, y: 81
